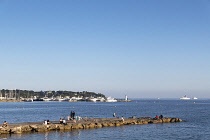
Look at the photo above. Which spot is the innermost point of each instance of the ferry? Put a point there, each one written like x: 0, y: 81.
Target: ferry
x: 185, y: 98
x: 195, y: 98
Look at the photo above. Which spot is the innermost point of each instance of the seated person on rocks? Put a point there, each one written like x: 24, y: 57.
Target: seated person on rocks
x: 45, y: 122
x: 122, y: 119
x: 64, y: 122
x: 4, y: 124
x: 156, y: 117
x: 61, y: 121
x: 114, y: 115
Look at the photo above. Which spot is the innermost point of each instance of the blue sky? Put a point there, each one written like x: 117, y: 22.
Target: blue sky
x: 140, y: 48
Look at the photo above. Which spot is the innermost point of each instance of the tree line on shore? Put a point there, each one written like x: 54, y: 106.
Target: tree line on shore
x: 17, y: 94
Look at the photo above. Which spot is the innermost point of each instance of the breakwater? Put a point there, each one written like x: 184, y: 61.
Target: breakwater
x: 81, y: 124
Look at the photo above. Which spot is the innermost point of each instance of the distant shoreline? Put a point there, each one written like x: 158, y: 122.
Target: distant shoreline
x: 118, y: 100
x: 11, y: 101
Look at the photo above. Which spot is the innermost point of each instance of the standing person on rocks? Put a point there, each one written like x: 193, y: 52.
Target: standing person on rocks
x: 73, y: 114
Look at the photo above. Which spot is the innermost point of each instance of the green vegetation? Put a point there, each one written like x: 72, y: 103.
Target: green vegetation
x: 17, y: 94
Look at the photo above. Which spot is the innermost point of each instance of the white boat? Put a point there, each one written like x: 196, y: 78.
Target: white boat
x: 101, y: 99
x: 76, y: 98
x: 109, y: 99
x: 185, y: 98
x: 195, y: 98
x: 29, y: 100
x: 46, y: 99
x: 93, y: 99
x: 63, y: 99
x: 98, y: 99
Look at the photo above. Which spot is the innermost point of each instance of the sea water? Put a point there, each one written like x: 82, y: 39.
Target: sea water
x: 195, y: 113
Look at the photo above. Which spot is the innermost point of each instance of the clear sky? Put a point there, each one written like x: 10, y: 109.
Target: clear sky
x: 141, y: 48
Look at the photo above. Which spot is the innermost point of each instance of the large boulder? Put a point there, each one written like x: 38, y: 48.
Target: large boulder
x: 98, y: 125
x: 52, y: 127
x: 105, y: 124
x: 144, y: 122
x: 26, y: 128
x: 166, y: 120
x: 41, y: 128
x: 91, y: 125
x: 173, y: 120
x: 5, y: 130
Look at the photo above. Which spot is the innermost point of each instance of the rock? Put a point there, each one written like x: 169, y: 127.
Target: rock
x: 52, y: 127
x: 110, y: 124
x: 26, y: 128
x: 91, y: 125
x: 4, y: 132
x: 16, y: 130
x: 98, y: 125
x: 178, y: 120
x: 144, y: 122
x: 173, y: 120
x: 104, y: 124
x: 42, y: 128
x: 84, y: 124
x: 75, y: 126
x: 139, y: 122
x: 166, y: 120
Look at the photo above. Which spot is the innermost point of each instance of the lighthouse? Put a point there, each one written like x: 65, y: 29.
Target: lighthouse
x: 126, y: 97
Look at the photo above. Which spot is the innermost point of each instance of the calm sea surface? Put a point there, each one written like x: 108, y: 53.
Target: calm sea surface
x: 196, y: 114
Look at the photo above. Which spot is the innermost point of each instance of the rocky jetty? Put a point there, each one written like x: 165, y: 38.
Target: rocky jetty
x: 81, y: 124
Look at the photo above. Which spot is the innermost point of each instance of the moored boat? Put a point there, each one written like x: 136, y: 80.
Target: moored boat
x: 109, y: 99
x: 29, y: 100
x: 46, y: 99
x: 63, y: 99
